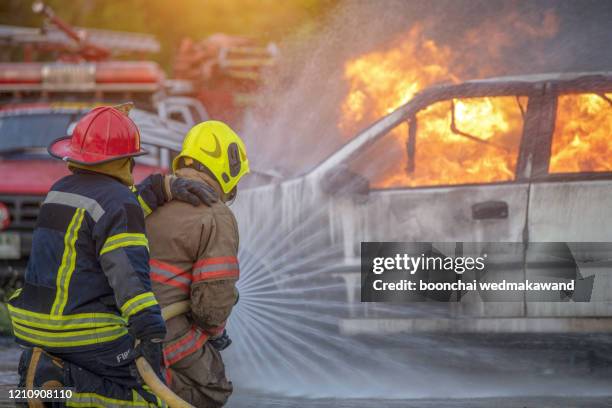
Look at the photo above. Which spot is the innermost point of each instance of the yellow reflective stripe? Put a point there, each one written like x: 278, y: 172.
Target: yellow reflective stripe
x: 92, y: 315
x: 93, y: 333
x: 160, y: 402
x: 69, y: 339
x: 56, y: 325
x: 91, y: 399
x: 16, y: 294
x: 66, y: 268
x: 138, y: 303
x: 145, y: 207
x: 126, y: 236
x: 70, y: 322
x: 143, y: 204
x: 123, y: 240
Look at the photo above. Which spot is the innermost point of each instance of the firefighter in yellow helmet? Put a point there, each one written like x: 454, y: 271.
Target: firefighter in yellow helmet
x: 194, y: 257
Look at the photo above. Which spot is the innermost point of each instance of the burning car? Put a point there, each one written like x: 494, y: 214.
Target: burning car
x: 513, y: 159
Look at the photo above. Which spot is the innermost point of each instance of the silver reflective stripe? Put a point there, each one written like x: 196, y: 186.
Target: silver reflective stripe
x: 170, y: 275
x: 138, y: 303
x: 90, y: 205
x: 195, y: 340
x: 216, y: 267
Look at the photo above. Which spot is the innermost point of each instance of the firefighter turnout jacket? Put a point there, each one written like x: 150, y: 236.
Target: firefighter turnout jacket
x: 194, y: 257
x: 87, y: 281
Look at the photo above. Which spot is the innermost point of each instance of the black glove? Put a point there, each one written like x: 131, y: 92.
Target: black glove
x: 220, y: 342
x: 192, y: 191
x: 151, y: 350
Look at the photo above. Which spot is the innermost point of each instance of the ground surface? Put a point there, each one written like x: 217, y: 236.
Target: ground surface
x: 9, y: 356
x: 251, y: 401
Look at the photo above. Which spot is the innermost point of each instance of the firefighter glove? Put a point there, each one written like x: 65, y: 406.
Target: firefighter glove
x: 191, y: 191
x: 220, y: 342
x: 151, y: 350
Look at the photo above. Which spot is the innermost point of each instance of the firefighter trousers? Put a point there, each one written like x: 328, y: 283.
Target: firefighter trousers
x: 101, y: 378
x: 200, y: 378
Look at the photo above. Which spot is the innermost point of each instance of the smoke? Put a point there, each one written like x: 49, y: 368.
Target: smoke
x: 295, y: 124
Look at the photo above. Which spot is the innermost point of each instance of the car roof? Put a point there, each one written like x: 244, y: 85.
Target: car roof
x: 544, y: 77
x: 153, y: 129
x: 570, y: 82
x: 593, y: 81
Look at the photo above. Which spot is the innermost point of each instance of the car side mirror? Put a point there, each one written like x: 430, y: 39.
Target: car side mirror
x: 342, y: 181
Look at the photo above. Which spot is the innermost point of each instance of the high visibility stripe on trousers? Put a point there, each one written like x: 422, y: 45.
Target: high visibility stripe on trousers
x: 216, y: 268
x: 184, y: 346
x: 94, y: 400
x: 67, y: 266
x: 170, y: 275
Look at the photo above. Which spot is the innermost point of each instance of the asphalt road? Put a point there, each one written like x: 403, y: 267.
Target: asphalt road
x: 9, y: 356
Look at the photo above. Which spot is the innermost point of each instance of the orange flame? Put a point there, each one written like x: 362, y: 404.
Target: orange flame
x: 382, y: 81
x: 581, y: 141
x: 483, y: 144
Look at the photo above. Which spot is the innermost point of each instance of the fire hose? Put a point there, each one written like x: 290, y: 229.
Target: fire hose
x: 148, y: 374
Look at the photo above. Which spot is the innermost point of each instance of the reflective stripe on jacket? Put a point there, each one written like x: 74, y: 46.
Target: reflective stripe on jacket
x: 88, y: 274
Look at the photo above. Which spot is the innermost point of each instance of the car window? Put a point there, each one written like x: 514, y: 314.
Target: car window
x: 33, y: 130
x: 460, y: 141
x: 30, y: 134
x: 582, y: 139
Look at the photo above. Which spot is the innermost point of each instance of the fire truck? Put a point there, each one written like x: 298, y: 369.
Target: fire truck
x: 41, y: 101
x: 223, y: 72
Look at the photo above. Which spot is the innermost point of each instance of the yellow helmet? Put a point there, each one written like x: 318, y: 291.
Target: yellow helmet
x: 216, y: 146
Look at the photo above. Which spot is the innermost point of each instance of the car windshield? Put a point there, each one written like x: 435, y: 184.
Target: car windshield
x: 23, y: 132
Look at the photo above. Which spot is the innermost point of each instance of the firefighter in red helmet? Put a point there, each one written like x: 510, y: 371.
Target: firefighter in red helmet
x: 87, y: 294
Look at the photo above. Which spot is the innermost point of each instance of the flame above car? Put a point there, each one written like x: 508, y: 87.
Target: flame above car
x: 380, y: 81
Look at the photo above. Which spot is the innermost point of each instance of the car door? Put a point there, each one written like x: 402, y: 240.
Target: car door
x: 571, y: 198
x: 459, y: 177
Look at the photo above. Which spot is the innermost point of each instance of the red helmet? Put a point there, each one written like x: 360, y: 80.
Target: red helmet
x: 104, y: 134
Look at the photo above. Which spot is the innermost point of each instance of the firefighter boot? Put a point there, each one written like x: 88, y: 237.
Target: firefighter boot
x: 38, y: 369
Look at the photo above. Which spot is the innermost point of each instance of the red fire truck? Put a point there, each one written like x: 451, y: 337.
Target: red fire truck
x: 223, y: 72
x: 41, y: 101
